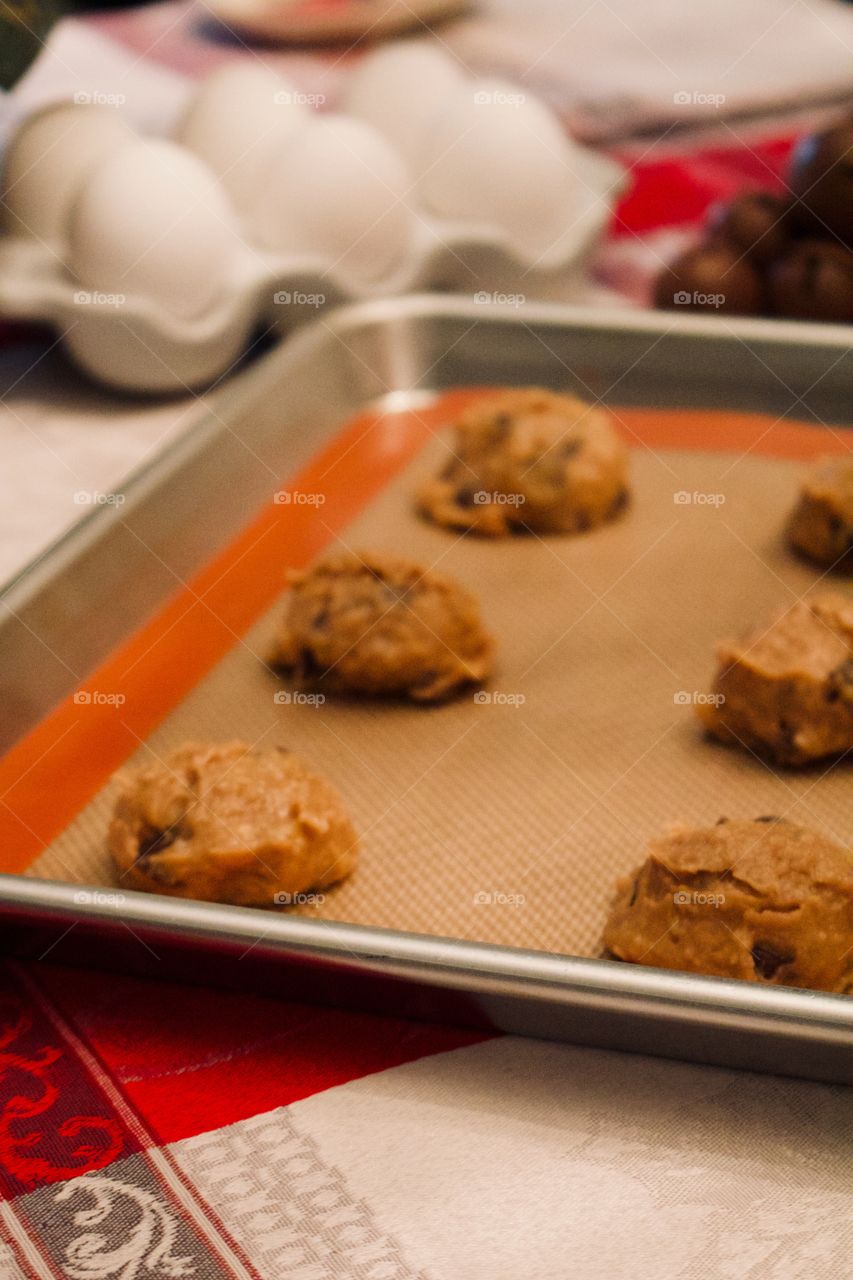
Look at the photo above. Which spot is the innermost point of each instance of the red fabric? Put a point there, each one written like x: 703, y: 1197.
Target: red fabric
x: 55, y: 1118
x: 679, y: 190
x: 184, y: 1059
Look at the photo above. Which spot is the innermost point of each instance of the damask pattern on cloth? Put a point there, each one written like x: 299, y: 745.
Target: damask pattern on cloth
x: 55, y: 1120
x: 98, y: 1072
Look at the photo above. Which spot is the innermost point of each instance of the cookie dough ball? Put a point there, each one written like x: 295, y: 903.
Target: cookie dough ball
x: 383, y: 626
x: 786, y: 690
x: 767, y: 901
x: 529, y: 460
x: 224, y: 823
x: 821, y: 526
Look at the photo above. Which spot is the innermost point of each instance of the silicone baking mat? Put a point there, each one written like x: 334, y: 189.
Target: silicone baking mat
x: 504, y: 816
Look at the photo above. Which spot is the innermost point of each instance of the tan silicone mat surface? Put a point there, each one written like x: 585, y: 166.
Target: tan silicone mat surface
x: 508, y: 819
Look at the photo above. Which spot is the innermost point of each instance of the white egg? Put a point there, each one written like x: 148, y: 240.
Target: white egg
x: 497, y: 155
x: 47, y: 161
x: 338, y: 192
x: 236, y: 120
x: 400, y: 88
x: 152, y: 221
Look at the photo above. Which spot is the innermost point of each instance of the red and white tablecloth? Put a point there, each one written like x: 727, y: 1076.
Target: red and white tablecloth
x: 152, y: 1130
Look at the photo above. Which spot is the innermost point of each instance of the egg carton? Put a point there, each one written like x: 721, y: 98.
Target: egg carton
x: 130, y: 342
x: 135, y: 337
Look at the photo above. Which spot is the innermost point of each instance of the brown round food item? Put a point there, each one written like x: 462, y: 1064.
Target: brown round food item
x: 766, y: 901
x: 715, y: 276
x: 755, y: 223
x: 813, y: 281
x: 821, y: 525
x: 529, y: 460
x: 383, y: 626
x: 786, y: 690
x: 223, y: 823
x: 821, y: 179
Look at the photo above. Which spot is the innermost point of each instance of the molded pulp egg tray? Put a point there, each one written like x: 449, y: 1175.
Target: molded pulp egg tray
x: 160, y: 261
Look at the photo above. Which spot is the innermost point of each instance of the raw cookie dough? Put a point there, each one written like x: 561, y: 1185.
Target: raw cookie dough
x: 223, y: 823
x: 786, y: 690
x: 821, y: 526
x: 529, y: 460
x: 380, y: 625
x: 765, y: 900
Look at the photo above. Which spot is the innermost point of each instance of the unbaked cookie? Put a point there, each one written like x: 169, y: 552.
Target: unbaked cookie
x: 767, y: 901
x: 786, y: 690
x: 224, y: 823
x: 821, y: 526
x: 380, y: 625
x: 529, y: 460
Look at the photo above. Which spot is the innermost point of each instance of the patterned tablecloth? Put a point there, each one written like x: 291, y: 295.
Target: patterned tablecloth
x: 152, y: 1131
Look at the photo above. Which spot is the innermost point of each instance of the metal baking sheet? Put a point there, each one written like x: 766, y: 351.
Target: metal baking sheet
x: 399, y: 354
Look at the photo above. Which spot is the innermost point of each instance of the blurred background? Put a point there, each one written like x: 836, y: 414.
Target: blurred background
x: 185, y: 183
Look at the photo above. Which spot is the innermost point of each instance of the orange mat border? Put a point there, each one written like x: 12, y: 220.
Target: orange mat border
x: 47, y: 778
